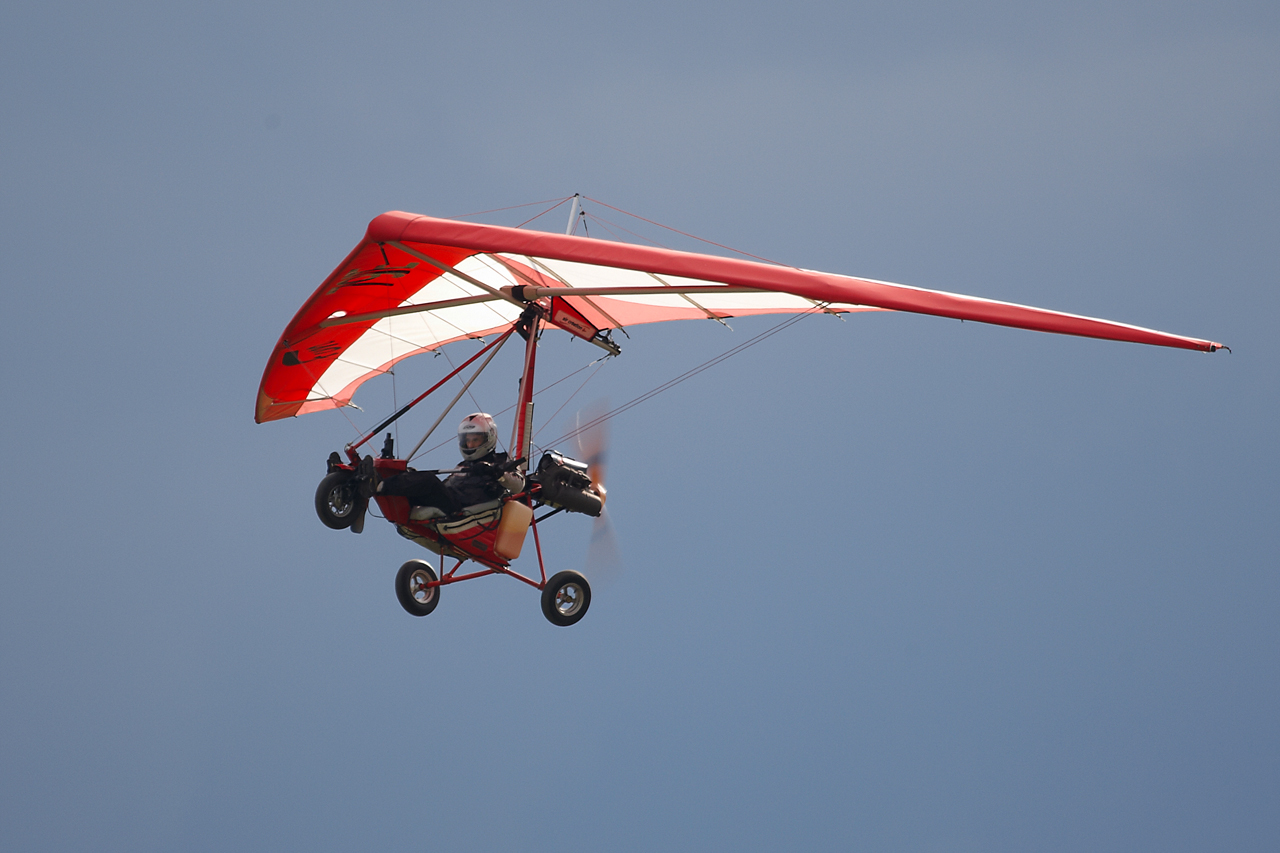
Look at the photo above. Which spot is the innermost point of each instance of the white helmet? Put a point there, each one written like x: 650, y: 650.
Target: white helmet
x: 477, y: 436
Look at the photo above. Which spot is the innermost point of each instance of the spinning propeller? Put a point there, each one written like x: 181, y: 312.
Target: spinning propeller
x: 603, y: 558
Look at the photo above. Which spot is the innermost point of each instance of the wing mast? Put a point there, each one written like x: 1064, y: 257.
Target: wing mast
x: 522, y: 433
x: 527, y: 326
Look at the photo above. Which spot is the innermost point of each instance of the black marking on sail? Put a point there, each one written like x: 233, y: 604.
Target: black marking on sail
x: 319, y: 352
x: 363, y: 277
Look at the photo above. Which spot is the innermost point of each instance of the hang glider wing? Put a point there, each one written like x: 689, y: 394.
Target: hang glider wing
x: 415, y: 283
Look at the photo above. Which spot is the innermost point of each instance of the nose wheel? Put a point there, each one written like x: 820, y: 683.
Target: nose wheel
x: 565, y: 598
x: 337, y: 502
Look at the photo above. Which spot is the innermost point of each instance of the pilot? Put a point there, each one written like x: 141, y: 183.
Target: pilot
x: 482, y: 477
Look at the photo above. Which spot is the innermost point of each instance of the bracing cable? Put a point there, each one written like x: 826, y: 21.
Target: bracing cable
x: 689, y: 374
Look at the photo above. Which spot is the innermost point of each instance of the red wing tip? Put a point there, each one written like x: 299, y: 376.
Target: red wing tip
x: 268, y: 409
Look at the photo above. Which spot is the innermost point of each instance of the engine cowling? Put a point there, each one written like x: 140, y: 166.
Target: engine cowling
x: 566, y: 484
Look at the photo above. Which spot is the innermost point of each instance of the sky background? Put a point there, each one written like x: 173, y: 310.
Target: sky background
x: 893, y: 583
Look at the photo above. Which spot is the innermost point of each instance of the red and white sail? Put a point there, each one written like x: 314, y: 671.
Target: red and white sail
x: 415, y: 283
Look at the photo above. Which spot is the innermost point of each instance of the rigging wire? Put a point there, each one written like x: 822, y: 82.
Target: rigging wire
x: 479, y: 408
x: 315, y: 382
x: 599, y: 361
x: 357, y: 430
x: 684, y: 234
x: 610, y: 226
x: 545, y: 212
x: 653, y: 392
x: 689, y: 374
x: 515, y: 207
x: 569, y: 400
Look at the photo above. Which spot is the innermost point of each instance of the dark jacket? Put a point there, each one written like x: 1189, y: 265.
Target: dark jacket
x: 477, y: 482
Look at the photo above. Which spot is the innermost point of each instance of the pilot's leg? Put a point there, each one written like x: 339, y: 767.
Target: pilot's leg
x: 421, y: 488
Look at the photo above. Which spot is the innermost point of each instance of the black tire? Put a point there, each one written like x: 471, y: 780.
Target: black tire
x: 337, y: 502
x: 565, y: 598
x: 414, y: 598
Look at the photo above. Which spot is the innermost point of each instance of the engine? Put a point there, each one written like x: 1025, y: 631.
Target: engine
x: 567, y: 485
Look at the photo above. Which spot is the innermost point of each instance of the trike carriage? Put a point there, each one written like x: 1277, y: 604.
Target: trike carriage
x: 490, y: 534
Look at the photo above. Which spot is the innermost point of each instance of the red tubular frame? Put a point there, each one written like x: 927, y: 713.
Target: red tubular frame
x: 449, y: 577
x: 520, y: 435
x: 520, y: 438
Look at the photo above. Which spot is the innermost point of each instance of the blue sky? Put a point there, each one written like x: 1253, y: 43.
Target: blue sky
x: 892, y: 583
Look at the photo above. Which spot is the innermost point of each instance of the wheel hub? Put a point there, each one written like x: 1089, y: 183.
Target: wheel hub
x: 568, y: 599
x: 418, y: 587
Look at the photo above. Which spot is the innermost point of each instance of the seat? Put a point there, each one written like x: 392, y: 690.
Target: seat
x: 427, y: 513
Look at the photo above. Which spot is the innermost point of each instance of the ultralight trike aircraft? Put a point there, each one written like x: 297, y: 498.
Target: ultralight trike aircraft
x: 416, y: 283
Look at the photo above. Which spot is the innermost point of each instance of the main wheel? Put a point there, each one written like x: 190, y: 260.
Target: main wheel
x: 415, y: 596
x: 565, y: 598
x: 337, y: 501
